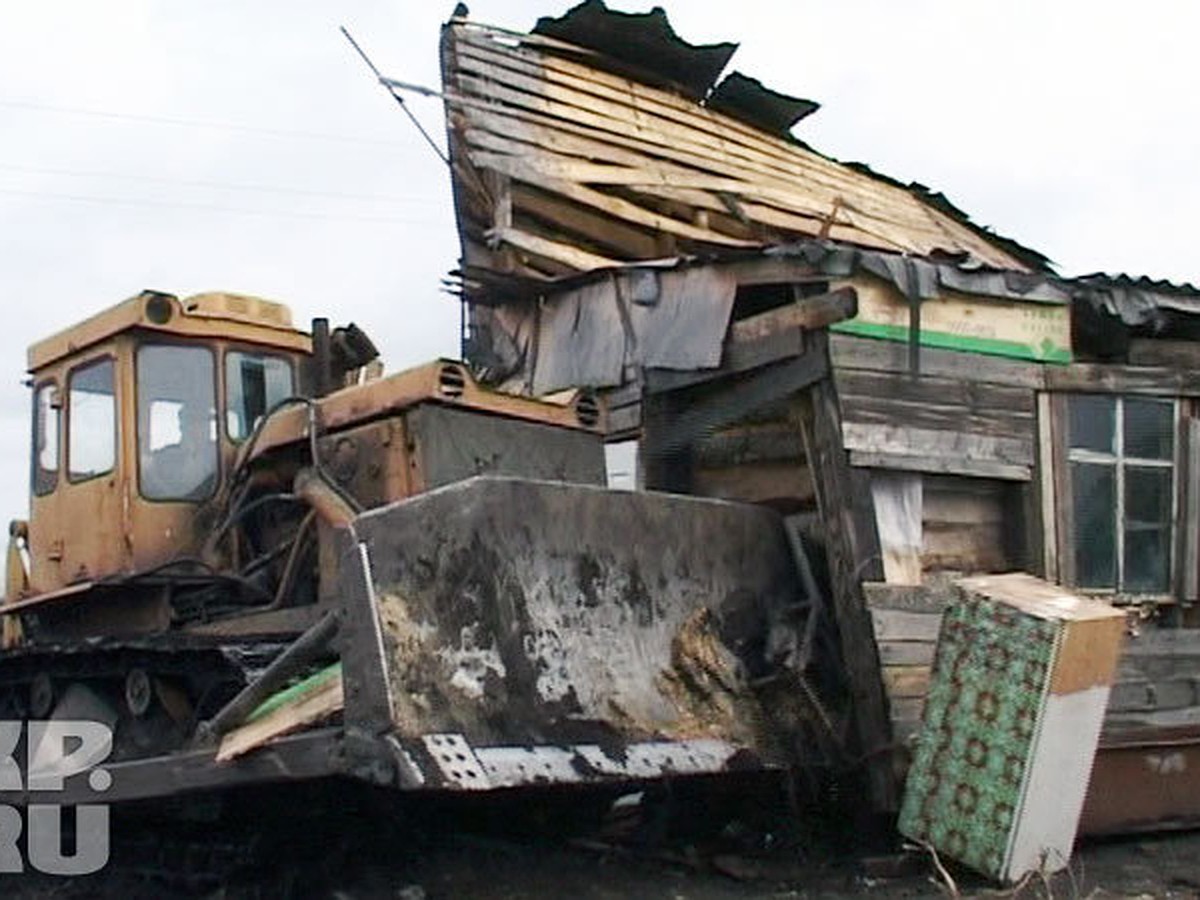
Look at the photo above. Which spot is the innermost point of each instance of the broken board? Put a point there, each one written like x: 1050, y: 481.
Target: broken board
x: 1020, y: 329
x: 312, y: 700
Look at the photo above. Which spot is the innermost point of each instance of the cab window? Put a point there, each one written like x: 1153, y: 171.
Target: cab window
x: 92, y: 427
x: 45, y: 438
x: 176, y: 422
x: 254, y: 383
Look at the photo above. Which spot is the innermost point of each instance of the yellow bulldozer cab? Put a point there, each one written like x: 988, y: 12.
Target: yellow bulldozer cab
x: 137, y: 415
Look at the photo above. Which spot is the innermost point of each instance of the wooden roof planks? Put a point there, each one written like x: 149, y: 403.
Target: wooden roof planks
x: 560, y: 167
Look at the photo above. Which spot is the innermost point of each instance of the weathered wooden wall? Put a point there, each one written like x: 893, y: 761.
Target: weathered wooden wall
x: 969, y: 525
x: 961, y: 414
x: 906, y: 624
x: 969, y: 445
x: 964, y: 427
x: 758, y: 460
x: 1158, y: 680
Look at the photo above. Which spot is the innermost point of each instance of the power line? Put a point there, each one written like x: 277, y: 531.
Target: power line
x: 226, y: 186
x: 206, y: 207
x: 196, y: 123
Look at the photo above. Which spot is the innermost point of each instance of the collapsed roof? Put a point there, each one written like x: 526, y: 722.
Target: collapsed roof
x: 603, y: 138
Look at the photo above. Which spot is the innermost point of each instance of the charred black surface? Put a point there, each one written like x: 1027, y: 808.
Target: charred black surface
x: 639, y: 600
x: 744, y: 625
x: 517, y: 612
x: 589, y: 575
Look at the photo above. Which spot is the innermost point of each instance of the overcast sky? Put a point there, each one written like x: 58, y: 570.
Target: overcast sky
x: 242, y: 145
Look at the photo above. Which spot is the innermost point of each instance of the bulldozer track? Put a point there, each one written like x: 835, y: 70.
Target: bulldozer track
x: 200, y: 675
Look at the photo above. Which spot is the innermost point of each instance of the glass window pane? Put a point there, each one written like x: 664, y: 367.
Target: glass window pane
x: 92, y: 435
x: 1147, y: 497
x: 254, y: 383
x: 1147, y: 561
x: 1149, y: 428
x: 1093, y: 418
x: 1095, y: 510
x: 1147, y: 529
x: 45, y: 439
x: 177, y: 434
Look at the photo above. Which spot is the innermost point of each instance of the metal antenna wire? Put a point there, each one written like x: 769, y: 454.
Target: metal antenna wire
x: 400, y: 100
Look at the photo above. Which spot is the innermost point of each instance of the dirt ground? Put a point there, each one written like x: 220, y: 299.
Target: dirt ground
x: 288, y: 845
x: 1164, y: 866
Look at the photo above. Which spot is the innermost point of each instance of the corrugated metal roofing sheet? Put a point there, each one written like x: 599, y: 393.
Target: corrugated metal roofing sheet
x: 748, y: 100
x: 1137, y: 301
x: 641, y: 45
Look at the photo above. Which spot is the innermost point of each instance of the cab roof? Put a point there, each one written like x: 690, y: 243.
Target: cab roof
x: 206, y: 315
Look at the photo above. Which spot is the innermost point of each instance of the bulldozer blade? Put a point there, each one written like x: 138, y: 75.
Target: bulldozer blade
x: 504, y: 631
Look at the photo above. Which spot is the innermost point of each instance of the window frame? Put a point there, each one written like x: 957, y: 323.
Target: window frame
x: 35, y: 466
x: 70, y: 416
x: 287, y: 358
x: 1119, y: 461
x: 156, y: 341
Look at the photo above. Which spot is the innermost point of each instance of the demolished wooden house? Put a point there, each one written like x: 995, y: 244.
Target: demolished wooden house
x: 634, y: 224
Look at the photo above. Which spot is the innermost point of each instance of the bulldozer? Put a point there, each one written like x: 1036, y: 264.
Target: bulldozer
x: 254, y: 558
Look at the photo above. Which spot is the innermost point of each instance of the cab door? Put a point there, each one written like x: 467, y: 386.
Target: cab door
x: 174, y: 449
x: 78, y: 511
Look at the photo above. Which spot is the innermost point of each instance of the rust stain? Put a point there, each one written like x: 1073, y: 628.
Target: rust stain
x: 1145, y: 780
x: 707, y: 684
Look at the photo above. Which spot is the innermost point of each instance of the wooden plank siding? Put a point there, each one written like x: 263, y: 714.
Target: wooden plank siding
x: 967, y: 525
x: 971, y: 442
x: 756, y: 461
x: 1158, y: 681
x: 967, y: 423
x: 962, y: 413
x: 906, y: 621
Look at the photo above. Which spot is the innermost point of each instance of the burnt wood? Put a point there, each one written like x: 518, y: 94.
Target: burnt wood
x: 849, y: 551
